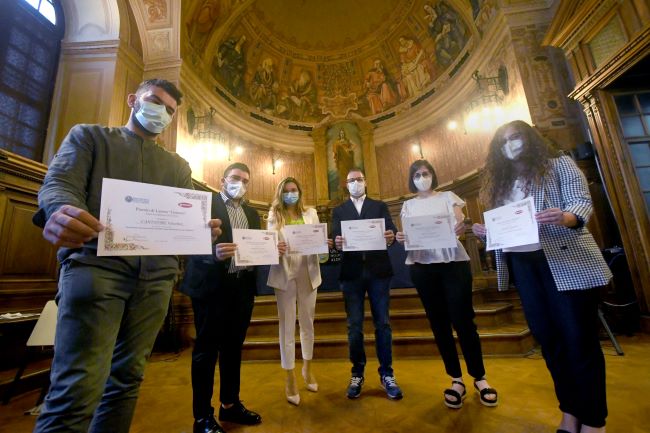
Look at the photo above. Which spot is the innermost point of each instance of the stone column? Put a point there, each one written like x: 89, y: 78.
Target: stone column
x: 320, y: 165
x: 369, y: 158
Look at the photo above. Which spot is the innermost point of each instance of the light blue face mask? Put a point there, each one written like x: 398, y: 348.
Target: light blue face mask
x: 153, y: 117
x: 290, y: 197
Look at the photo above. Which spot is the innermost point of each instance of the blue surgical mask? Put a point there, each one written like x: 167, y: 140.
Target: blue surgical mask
x: 290, y: 197
x: 235, y: 190
x: 153, y: 117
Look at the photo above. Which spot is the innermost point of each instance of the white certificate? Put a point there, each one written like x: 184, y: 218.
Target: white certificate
x: 511, y: 225
x: 305, y: 239
x: 363, y: 235
x: 255, y: 247
x: 142, y: 219
x: 427, y: 232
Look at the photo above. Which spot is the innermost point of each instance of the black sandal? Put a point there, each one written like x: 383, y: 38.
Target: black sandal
x: 484, y: 391
x: 453, y: 399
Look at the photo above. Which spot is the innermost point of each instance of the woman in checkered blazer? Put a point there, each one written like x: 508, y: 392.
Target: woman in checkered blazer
x: 557, y: 277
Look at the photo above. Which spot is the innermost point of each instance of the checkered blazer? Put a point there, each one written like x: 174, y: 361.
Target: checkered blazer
x: 573, y: 256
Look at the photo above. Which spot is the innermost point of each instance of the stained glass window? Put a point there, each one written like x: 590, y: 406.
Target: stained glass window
x: 29, y: 54
x: 45, y: 7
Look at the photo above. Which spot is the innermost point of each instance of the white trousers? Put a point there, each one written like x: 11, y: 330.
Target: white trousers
x: 298, y: 291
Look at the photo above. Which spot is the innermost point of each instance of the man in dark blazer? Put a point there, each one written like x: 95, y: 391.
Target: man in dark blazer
x: 362, y: 272
x: 222, y: 299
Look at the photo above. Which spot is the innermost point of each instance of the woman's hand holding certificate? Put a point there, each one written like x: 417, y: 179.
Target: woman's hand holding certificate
x: 428, y: 232
x: 511, y: 225
x: 306, y: 239
x: 363, y: 235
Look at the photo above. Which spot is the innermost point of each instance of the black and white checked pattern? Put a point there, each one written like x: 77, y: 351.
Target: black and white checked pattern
x: 238, y: 220
x: 573, y: 255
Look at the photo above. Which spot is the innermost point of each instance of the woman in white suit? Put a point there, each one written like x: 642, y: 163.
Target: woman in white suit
x: 295, y: 280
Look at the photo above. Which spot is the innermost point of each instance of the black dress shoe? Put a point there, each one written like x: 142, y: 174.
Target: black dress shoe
x: 207, y: 425
x: 238, y: 414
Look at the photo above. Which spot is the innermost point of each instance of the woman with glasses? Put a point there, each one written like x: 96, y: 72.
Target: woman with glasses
x: 443, y: 279
x: 556, y: 278
x: 295, y: 280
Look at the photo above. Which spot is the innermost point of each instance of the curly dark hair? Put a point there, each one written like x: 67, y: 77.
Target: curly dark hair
x: 500, y: 173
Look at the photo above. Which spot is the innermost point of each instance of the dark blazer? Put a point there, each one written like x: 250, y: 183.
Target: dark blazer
x: 204, y: 273
x: 352, y: 263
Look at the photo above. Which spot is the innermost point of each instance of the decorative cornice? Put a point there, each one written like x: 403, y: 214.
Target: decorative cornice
x: 583, y: 22
x: 627, y: 56
x: 24, y: 168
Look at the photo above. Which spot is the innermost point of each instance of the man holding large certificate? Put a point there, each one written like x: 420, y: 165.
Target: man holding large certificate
x: 362, y: 228
x: 111, y: 308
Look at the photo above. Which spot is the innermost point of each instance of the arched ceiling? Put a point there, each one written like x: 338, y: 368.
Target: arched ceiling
x: 305, y: 62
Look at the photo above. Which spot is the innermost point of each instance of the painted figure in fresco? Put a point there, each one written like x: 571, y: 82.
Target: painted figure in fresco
x: 302, y: 96
x: 415, y: 75
x: 343, y: 157
x: 202, y: 22
x: 264, y: 87
x: 447, y: 30
x: 230, y: 65
x: 381, y: 90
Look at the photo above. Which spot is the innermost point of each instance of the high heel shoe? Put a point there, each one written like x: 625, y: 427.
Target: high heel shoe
x: 291, y: 390
x: 308, y: 375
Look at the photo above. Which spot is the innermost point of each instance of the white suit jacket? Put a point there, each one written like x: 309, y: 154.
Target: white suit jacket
x: 278, y: 273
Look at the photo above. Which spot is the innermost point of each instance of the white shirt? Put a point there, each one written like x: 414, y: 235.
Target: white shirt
x: 517, y: 194
x: 358, y: 203
x: 437, y: 204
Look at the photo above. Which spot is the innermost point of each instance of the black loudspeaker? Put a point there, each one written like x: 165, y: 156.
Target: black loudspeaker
x: 619, y: 304
x: 584, y: 151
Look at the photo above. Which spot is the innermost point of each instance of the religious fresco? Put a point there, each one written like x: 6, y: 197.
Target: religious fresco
x: 344, y: 152
x: 266, y: 70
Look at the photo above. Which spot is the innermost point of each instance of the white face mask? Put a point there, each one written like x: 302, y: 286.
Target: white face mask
x: 512, y: 149
x: 423, y: 183
x: 357, y: 188
x: 153, y: 117
x: 235, y: 190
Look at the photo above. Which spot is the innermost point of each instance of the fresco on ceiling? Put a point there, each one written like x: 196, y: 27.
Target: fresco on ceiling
x: 202, y: 22
x: 343, y: 153
x: 366, y: 83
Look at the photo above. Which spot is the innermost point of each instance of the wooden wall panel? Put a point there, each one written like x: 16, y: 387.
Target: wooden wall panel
x: 24, y: 254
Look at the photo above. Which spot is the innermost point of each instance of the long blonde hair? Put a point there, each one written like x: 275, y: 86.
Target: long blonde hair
x: 279, y: 211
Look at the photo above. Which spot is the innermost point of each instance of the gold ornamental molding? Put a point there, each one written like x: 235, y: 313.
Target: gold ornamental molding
x: 583, y: 22
x: 635, y: 49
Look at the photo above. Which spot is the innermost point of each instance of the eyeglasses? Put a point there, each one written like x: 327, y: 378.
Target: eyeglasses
x: 423, y: 175
x: 235, y: 178
x: 355, y: 179
x: 515, y: 136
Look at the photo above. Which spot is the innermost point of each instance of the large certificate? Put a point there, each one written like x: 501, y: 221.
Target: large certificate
x: 363, y: 235
x: 511, y: 225
x: 428, y: 232
x: 255, y: 247
x: 306, y: 239
x: 142, y: 219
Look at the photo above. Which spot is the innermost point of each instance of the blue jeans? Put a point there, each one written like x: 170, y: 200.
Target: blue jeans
x: 106, y: 326
x: 354, y: 292
x: 566, y: 325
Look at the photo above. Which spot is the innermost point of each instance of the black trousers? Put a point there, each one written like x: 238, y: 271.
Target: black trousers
x: 221, y: 322
x: 446, y: 293
x: 566, y: 325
